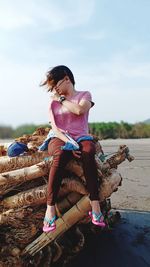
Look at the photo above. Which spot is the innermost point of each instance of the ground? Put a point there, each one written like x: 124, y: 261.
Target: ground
x: 128, y: 243
x: 135, y: 190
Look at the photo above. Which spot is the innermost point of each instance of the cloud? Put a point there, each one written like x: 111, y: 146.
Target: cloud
x: 95, y: 36
x: 53, y: 15
x: 13, y: 15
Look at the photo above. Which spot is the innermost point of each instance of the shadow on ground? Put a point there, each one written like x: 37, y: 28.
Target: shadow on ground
x: 126, y: 245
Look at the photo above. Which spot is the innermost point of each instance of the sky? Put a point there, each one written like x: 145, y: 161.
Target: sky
x: 105, y: 43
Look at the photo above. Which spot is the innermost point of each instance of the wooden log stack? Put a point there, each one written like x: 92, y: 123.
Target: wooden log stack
x: 23, y: 185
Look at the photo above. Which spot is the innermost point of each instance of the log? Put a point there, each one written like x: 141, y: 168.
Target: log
x: 110, y: 184
x: 9, y: 164
x: 37, y: 196
x: 119, y: 157
x: 15, y: 177
x: 34, y: 196
x: 75, y: 214
x: 30, y: 158
x: 22, y: 213
x: 7, y: 180
x: 15, y: 217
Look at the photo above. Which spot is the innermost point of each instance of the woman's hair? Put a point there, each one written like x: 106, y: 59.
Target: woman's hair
x: 56, y: 74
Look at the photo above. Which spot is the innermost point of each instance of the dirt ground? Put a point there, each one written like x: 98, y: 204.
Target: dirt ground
x: 135, y: 190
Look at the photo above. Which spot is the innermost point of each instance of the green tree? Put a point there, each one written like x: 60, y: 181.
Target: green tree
x: 26, y: 129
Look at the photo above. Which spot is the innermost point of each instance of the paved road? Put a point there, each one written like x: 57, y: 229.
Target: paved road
x: 135, y: 190
x: 127, y: 245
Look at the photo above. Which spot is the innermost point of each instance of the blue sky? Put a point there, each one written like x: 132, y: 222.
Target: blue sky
x: 105, y: 43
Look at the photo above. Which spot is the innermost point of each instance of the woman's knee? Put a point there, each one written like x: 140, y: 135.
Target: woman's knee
x: 88, y: 147
x: 54, y: 147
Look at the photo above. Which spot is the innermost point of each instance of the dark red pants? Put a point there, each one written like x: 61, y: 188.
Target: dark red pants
x: 60, y: 160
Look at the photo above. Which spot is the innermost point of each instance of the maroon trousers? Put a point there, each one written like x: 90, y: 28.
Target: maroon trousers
x: 60, y: 160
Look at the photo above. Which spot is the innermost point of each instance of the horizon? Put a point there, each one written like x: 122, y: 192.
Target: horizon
x: 147, y: 121
x: 105, y: 44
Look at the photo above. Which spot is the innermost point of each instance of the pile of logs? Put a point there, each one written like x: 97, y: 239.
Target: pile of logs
x: 23, y: 184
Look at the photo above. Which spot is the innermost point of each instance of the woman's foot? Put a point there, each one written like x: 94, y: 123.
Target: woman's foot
x: 97, y: 219
x: 96, y: 214
x: 49, y: 220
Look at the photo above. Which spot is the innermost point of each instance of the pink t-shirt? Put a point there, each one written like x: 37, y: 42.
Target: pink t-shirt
x: 66, y: 121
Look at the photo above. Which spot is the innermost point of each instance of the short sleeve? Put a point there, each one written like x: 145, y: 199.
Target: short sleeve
x: 87, y: 96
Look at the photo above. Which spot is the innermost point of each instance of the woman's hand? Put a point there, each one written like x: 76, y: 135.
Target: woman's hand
x: 55, y: 97
x: 76, y: 153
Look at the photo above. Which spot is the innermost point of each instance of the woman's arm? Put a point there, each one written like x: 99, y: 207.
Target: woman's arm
x: 58, y: 132
x: 61, y: 136
x: 78, y: 109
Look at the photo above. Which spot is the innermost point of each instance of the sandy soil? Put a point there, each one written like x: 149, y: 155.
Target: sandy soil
x: 135, y: 190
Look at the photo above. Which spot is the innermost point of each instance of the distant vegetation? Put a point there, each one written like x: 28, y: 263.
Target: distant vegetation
x: 147, y: 121
x: 120, y: 130
x: 102, y: 129
x: 9, y: 132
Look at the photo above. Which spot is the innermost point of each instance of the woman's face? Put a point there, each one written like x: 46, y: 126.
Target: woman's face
x: 60, y: 88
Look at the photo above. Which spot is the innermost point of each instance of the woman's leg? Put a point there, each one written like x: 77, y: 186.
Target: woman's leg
x: 60, y: 159
x: 90, y: 168
x: 91, y: 174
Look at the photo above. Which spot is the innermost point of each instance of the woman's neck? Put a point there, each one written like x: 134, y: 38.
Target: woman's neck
x: 71, y: 91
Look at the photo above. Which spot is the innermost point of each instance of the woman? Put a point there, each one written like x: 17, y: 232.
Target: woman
x: 69, y: 111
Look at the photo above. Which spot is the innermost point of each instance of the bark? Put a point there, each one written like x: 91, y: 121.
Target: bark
x: 75, y: 214
x: 119, y: 157
x: 37, y: 196
x: 9, y: 164
x: 16, y: 217
x: 10, y: 179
